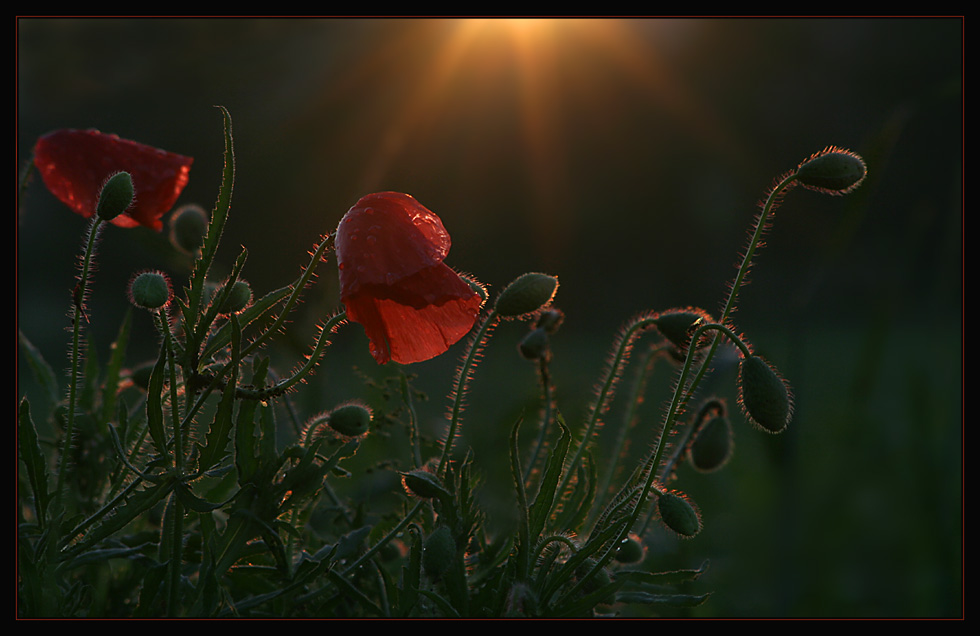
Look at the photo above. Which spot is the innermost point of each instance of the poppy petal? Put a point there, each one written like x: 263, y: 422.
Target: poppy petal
x: 406, y: 327
x: 74, y: 165
x: 401, y: 236
x: 393, y: 282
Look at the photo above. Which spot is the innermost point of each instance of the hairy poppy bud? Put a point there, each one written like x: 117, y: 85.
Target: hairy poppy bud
x: 424, y: 484
x: 764, y: 395
x: 526, y: 294
x: 677, y: 325
x: 238, y: 299
x: 188, y: 227
x: 438, y: 552
x: 116, y: 195
x: 631, y: 550
x: 550, y: 319
x: 150, y: 290
x: 679, y: 514
x: 534, y: 346
x: 351, y: 419
x: 833, y: 170
x: 712, y: 445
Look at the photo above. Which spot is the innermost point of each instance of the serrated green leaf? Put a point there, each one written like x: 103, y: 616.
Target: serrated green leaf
x: 544, y: 503
x: 222, y: 336
x: 154, y: 404
x: 42, y: 371
x: 662, y: 578
x: 33, y: 458
x: 218, y: 436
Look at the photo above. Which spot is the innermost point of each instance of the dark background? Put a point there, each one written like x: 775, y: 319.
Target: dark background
x: 627, y: 157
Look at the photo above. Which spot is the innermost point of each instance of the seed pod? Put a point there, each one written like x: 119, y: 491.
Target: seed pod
x: 351, y: 419
x: 713, y: 445
x: 764, y: 395
x: 834, y: 171
x: 150, y: 290
x: 438, y: 552
x: 679, y: 514
x: 526, y: 294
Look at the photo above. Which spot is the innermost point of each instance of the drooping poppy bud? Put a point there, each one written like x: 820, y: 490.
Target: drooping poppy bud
x: 764, y: 394
x: 833, y: 171
x: 679, y: 514
x: 526, y: 294
x: 75, y: 164
x: 393, y: 282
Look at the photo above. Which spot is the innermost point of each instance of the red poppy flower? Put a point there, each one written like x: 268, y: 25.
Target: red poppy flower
x: 75, y: 164
x: 393, y: 282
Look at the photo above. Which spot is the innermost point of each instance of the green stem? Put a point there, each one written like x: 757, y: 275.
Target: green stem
x: 164, y: 327
x: 284, y: 385
x: 683, y: 392
x: 78, y: 301
x: 476, y: 344
x: 612, y: 375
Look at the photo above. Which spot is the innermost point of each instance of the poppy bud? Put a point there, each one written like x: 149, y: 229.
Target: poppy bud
x: 833, y: 170
x: 188, y: 227
x: 550, y: 319
x: 534, y: 345
x: 713, y: 444
x: 238, y: 299
x: 764, y: 395
x: 676, y: 325
x: 116, y: 195
x: 424, y: 484
x: 150, y: 290
x: 526, y: 294
x: 679, y: 514
x: 631, y: 550
x: 438, y: 552
x: 351, y: 419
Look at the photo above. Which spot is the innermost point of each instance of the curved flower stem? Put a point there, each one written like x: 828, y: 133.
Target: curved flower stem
x: 298, y: 287
x: 643, y: 371
x: 612, y: 375
x: 311, y: 361
x: 683, y: 391
x: 413, y: 422
x: 547, y: 394
x: 462, y: 378
x: 78, y: 312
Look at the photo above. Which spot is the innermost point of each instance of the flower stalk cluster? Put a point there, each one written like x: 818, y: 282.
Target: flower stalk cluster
x: 197, y: 472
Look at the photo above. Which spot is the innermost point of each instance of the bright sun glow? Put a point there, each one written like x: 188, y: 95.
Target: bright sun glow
x: 472, y: 76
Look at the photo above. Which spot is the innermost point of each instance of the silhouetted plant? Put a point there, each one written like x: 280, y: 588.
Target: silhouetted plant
x: 178, y: 474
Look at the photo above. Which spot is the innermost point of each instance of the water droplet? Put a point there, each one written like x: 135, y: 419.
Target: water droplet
x: 371, y: 239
